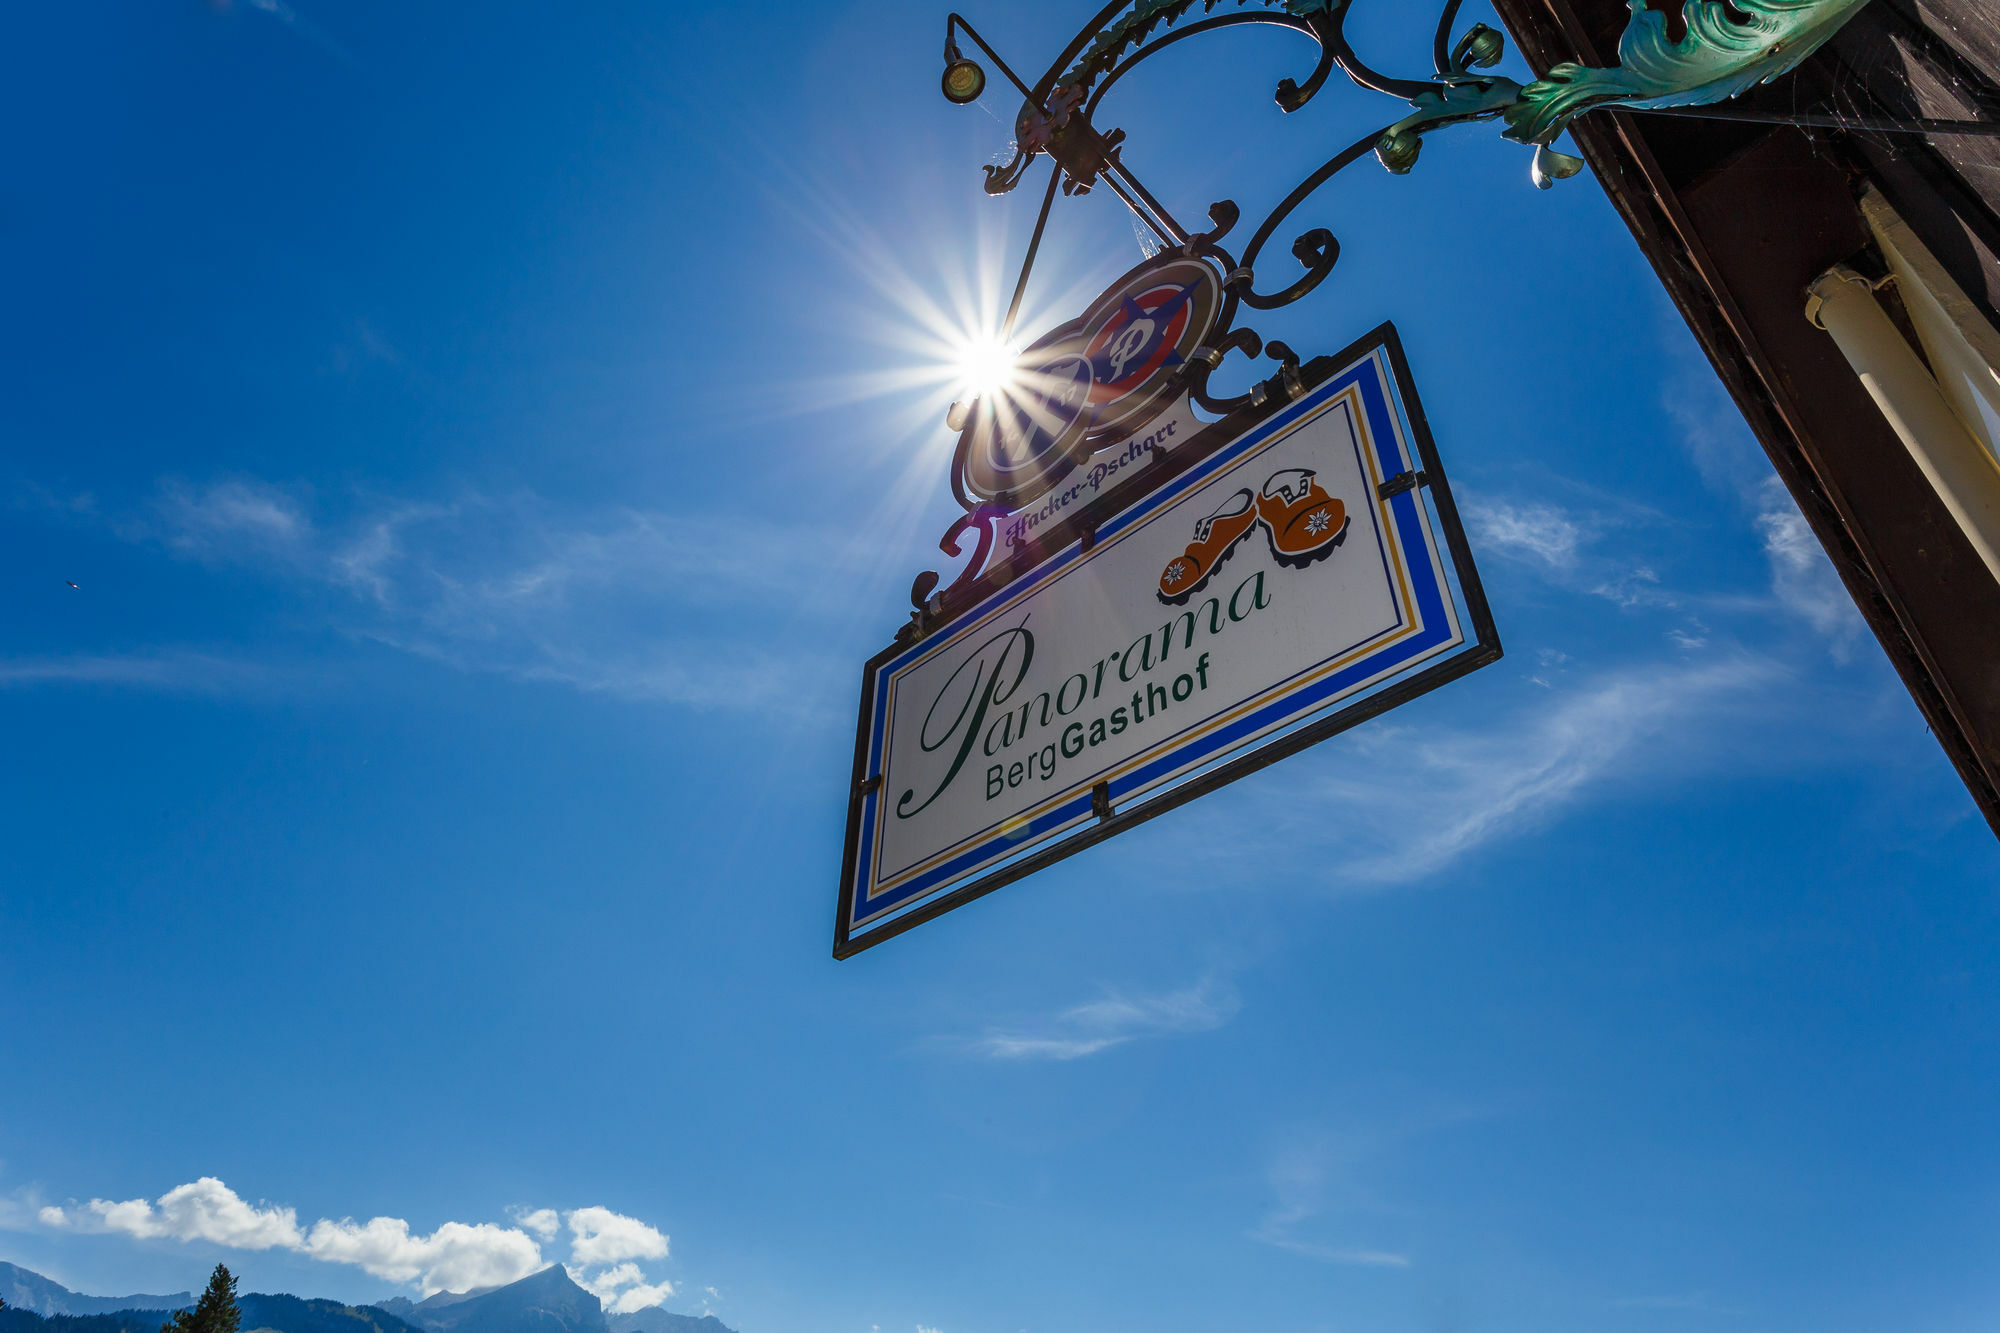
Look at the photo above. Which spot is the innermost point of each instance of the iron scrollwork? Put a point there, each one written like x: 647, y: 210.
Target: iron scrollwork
x: 1728, y: 47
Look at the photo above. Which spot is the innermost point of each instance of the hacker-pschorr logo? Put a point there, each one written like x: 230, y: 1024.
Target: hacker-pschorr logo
x: 1302, y: 522
x: 1088, y: 385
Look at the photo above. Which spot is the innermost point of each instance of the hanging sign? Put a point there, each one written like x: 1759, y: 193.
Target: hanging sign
x: 1283, y: 574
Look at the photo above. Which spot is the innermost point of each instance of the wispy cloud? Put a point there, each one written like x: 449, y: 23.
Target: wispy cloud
x: 174, y: 672
x: 608, y: 1242
x: 231, y: 520
x: 1112, y: 1020
x: 1712, y: 430
x: 1690, y: 1300
x: 1533, y: 530
x: 1571, y: 548
x: 1305, y: 1179
x: 1802, y: 578
x: 455, y: 1256
x: 23, y: 1209
x: 1562, y: 547
x: 1517, y: 775
x: 544, y: 1222
x: 1587, y: 734
x: 634, y: 604
x: 1334, y: 1254
x: 622, y: 1288
x: 292, y: 19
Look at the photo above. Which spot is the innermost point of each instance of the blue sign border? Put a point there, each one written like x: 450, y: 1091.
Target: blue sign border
x: 1376, y: 368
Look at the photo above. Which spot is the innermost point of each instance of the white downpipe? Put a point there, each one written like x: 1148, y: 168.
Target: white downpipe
x: 1963, y: 349
x: 1959, y: 468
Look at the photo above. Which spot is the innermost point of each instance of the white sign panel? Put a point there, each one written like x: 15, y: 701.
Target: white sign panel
x: 1287, y: 572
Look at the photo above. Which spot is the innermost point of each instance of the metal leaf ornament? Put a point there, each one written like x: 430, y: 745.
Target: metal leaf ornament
x: 1728, y: 48
x: 1460, y: 94
x: 1718, y: 58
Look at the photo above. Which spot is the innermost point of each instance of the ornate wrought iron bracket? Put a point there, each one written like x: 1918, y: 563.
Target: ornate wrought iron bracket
x: 1728, y: 47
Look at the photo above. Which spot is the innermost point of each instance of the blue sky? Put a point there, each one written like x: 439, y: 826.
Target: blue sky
x: 488, y: 441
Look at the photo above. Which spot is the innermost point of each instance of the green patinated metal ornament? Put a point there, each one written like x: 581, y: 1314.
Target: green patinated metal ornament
x: 1718, y: 58
x: 1726, y: 50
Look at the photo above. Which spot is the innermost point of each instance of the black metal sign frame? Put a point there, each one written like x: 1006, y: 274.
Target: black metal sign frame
x: 1481, y: 649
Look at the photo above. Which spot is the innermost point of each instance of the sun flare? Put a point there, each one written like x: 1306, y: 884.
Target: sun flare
x: 986, y: 366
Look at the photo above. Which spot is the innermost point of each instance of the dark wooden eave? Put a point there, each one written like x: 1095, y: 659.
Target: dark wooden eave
x: 1736, y: 220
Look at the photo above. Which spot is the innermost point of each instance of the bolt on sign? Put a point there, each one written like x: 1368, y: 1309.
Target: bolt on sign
x: 1168, y: 589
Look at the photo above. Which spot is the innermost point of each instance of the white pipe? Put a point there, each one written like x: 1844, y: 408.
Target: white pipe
x: 1963, y: 349
x: 1960, y: 470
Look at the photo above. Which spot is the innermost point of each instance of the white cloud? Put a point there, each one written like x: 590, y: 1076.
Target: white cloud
x: 1556, y: 544
x: 605, y: 1285
x: 623, y: 1288
x: 1636, y: 586
x: 1535, y: 531
x: 230, y: 519
x: 641, y: 1297
x: 205, y: 1209
x: 1308, y: 1179
x: 630, y: 603
x: 542, y: 1221
x: 1802, y: 578
x: 1730, y: 460
x: 1515, y: 777
x: 1114, y: 1020
x: 455, y: 1257
x: 601, y: 1236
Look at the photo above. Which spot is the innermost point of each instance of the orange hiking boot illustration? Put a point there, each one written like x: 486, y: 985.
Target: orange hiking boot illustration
x: 1214, y: 538
x: 1304, y: 522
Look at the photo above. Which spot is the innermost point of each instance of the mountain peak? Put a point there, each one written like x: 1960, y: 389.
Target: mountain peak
x: 544, y: 1302
x: 24, y: 1289
x: 553, y: 1277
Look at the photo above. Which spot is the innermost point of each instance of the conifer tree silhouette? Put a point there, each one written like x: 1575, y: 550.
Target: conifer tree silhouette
x: 215, y: 1312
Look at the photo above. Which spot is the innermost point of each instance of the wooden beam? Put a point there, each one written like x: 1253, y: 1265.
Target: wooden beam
x: 1735, y: 229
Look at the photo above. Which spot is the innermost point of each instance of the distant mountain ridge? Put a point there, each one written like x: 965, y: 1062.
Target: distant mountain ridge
x: 257, y: 1313
x: 23, y: 1289
x: 656, y: 1320
x: 291, y: 1314
x: 545, y: 1302
x: 123, y: 1321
